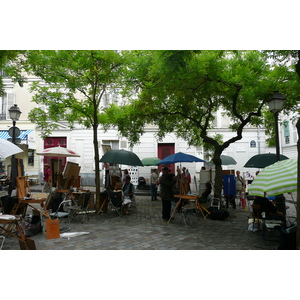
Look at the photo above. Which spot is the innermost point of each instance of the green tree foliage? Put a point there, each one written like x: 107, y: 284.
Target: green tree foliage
x: 180, y: 91
x: 75, y: 84
x: 7, y: 58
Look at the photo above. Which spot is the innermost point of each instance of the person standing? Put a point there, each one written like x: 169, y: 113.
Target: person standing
x: 153, y: 181
x: 166, y: 184
x: 47, y: 178
x: 189, y: 180
x: 239, y: 185
x: 183, y: 172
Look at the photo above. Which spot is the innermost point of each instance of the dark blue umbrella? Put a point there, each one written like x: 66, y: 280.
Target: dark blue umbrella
x: 179, y: 157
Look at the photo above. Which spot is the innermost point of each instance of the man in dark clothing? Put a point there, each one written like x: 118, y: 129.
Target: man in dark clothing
x: 166, y: 183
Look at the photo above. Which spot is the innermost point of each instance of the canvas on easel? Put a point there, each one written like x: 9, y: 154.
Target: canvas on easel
x: 70, y: 174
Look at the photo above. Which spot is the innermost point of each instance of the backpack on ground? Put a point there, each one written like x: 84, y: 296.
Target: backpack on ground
x: 218, y: 214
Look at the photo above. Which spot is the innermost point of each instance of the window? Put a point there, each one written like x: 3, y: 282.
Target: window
x: 113, y: 144
x: 286, y: 128
x: 287, y: 139
x: 6, y: 101
x: 30, y: 157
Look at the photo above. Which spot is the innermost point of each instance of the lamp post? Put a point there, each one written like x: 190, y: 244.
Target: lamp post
x: 275, y: 106
x: 14, y: 114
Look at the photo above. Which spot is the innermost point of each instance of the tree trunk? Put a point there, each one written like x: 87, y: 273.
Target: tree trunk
x: 97, y: 168
x: 219, y: 175
x: 298, y: 187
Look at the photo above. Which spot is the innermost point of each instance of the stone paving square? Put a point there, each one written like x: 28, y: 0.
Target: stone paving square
x: 144, y: 229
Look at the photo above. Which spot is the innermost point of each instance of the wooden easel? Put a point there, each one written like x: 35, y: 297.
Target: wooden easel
x: 183, y: 190
x: 183, y: 186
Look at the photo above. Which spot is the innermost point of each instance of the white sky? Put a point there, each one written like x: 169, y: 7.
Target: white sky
x: 163, y: 24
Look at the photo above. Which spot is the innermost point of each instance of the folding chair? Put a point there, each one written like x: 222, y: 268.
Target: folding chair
x: 116, y: 202
x: 82, y: 208
x: 187, y: 211
x: 215, y: 203
x: 62, y: 214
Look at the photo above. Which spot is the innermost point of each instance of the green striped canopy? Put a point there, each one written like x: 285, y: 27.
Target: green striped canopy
x: 276, y: 179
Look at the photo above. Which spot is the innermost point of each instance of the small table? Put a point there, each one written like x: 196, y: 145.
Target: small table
x: 187, y: 198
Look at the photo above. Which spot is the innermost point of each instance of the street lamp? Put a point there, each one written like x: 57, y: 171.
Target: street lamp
x: 14, y: 114
x: 275, y: 106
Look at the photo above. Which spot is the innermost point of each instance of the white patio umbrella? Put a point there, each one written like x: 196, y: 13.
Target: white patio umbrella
x: 276, y: 179
x: 8, y: 149
x: 58, y: 152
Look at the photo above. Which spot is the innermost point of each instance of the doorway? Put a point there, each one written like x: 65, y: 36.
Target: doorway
x: 51, y: 142
x: 164, y: 150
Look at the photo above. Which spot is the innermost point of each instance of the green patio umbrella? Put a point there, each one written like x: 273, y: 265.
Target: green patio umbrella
x: 276, y: 179
x: 227, y: 160
x: 263, y: 160
x: 122, y: 157
x: 150, y: 161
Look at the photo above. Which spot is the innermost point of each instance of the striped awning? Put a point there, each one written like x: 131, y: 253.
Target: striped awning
x: 23, y: 135
x: 276, y: 179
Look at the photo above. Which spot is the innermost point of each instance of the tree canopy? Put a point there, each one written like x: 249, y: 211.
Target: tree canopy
x: 75, y: 83
x: 180, y: 91
x: 7, y: 57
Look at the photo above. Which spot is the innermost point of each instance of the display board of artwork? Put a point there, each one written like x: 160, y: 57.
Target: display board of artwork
x: 133, y: 172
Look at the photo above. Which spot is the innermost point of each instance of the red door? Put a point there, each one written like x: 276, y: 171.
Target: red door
x: 55, y: 142
x: 165, y: 150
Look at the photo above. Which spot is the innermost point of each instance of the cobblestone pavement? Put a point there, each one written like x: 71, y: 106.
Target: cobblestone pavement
x: 144, y: 229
